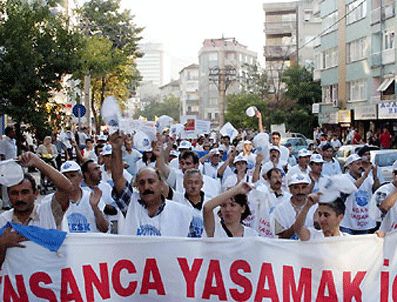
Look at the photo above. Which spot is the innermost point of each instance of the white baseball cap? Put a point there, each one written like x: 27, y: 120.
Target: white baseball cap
x: 185, y: 145
x: 246, y: 142
x: 102, y: 137
x: 11, y: 173
x: 352, y: 158
x: 316, y: 158
x: 240, y: 158
x: 304, y: 152
x: 70, y: 166
x: 214, y: 151
x: 273, y: 147
x: 174, y: 153
x: 107, y: 150
x: 298, y: 178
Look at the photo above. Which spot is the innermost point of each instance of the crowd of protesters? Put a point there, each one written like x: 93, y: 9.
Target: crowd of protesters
x: 213, y: 185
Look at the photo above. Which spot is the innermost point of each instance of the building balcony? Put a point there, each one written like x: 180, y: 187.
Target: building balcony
x: 280, y: 28
x: 388, y: 56
x: 388, y: 11
x: 375, y: 15
x: 278, y: 52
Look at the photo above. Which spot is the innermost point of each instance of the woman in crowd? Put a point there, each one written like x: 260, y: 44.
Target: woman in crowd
x: 148, y: 160
x: 233, y: 210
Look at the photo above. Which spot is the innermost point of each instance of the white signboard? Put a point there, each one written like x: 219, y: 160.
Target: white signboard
x: 367, y: 112
x: 387, y: 110
x: 279, y: 128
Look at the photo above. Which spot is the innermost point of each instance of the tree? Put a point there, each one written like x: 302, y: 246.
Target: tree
x: 169, y: 106
x: 301, y: 87
x: 238, y: 103
x: 37, y: 49
x: 110, y: 50
x: 255, y: 81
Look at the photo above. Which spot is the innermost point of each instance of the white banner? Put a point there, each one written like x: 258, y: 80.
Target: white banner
x: 123, y: 268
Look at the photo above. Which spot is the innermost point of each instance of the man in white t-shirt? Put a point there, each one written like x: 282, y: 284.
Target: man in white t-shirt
x: 359, y: 205
x: 148, y: 213
x: 331, y: 165
x: 284, y: 215
x: 385, y: 197
x: 106, y: 156
x: 23, y: 199
x: 276, y: 141
x: 303, y: 164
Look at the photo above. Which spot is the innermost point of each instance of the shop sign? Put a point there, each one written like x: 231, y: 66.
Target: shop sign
x: 387, y: 110
x: 344, y: 116
x: 366, y: 112
x: 327, y: 118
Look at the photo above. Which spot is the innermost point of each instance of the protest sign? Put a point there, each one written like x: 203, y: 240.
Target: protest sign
x: 99, y: 267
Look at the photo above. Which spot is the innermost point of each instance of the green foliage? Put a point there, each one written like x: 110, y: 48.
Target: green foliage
x: 236, y: 106
x: 255, y: 81
x: 37, y: 49
x: 109, y: 51
x: 169, y: 106
x: 301, y: 86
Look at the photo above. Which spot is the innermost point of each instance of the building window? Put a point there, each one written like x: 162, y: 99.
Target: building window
x: 318, y: 61
x: 209, y: 116
x: 357, y: 50
x: 307, y: 14
x: 213, y: 56
x: 388, y: 39
x: 330, y: 23
x: 330, y: 57
x: 330, y: 94
x: 356, y: 90
x: 355, y: 11
x: 216, y: 115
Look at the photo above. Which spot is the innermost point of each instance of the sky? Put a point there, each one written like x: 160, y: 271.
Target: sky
x: 182, y: 25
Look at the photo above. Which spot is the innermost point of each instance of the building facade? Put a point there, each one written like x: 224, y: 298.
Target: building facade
x: 221, y: 65
x: 189, y: 85
x: 290, y: 29
x: 151, y: 65
x: 356, y: 61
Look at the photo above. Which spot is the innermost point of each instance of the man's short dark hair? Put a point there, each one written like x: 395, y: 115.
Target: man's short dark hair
x: 88, y: 140
x: 29, y: 178
x: 276, y: 133
x: 188, y: 153
x: 269, y: 173
x: 84, y: 166
x: 338, y: 206
x: 8, y: 130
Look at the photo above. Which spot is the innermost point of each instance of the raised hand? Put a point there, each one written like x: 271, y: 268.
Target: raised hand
x: 95, y: 196
x: 243, y: 188
x: 116, y: 140
x: 29, y: 159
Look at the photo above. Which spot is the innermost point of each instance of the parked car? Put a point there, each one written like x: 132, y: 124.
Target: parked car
x: 297, y: 143
x: 299, y: 135
x: 346, y: 150
x: 384, y: 159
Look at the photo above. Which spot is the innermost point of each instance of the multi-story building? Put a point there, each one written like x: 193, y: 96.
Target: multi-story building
x: 170, y: 89
x: 189, y: 85
x: 151, y: 65
x: 356, y: 61
x: 290, y: 29
x: 225, y: 59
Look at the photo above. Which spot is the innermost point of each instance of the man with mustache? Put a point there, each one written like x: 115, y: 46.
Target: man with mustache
x: 147, y: 212
x: 23, y: 196
x: 360, y: 209
x: 284, y: 215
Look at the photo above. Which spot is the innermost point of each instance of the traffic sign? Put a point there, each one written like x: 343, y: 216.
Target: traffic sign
x: 79, y: 110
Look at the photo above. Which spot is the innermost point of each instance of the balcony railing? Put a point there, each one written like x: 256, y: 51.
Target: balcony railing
x: 375, y: 15
x: 388, y: 56
x: 281, y: 52
x: 280, y: 27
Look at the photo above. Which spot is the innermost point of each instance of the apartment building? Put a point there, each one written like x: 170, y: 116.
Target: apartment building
x: 356, y: 62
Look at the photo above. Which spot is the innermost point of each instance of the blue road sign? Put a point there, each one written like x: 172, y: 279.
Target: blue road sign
x: 79, y: 110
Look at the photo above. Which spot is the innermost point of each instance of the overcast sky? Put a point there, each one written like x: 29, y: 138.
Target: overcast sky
x: 182, y: 26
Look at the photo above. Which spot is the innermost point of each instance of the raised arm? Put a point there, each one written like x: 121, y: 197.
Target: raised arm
x: 101, y: 223
x: 260, y: 124
x: 117, y: 140
x: 258, y: 167
x: 62, y: 184
x: 208, y: 209
x: 79, y: 156
x: 228, y: 161
x: 388, y: 202
x: 160, y: 159
x: 299, y: 225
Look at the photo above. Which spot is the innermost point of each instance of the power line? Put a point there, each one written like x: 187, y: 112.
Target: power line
x: 329, y: 27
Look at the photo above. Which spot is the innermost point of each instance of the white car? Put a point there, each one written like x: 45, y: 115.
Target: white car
x: 384, y: 159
